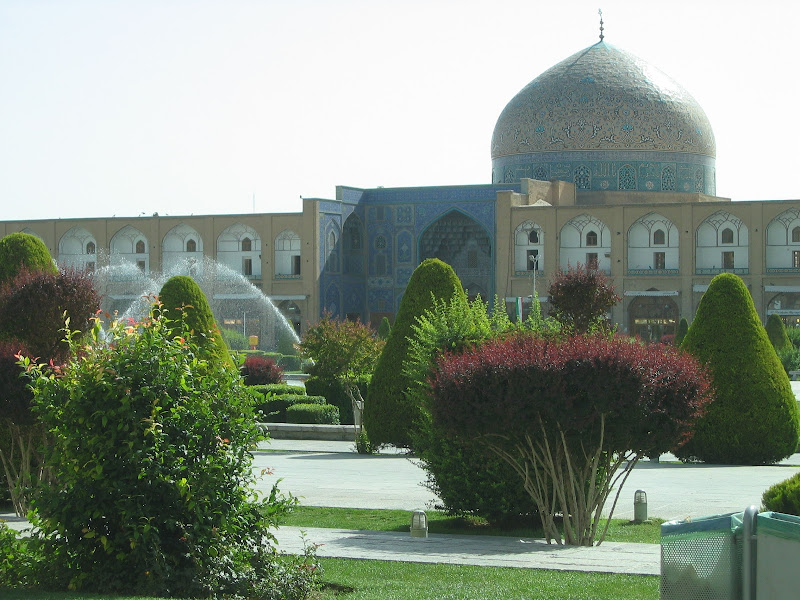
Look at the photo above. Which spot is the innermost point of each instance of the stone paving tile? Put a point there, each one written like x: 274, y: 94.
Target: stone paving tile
x: 490, y: 551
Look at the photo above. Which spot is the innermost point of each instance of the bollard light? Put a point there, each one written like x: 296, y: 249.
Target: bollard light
x: 419, y: 524
x: 639, y: 506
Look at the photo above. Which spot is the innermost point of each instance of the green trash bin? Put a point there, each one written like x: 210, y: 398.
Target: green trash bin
x: 778, y: 556
x: 701, y: 559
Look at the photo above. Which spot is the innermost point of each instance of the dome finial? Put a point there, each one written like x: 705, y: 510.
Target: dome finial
x: 600, y: 12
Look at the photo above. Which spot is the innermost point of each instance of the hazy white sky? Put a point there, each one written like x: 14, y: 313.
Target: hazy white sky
x: 122, y: 107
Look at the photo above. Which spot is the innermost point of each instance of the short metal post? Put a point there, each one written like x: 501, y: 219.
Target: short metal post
x: 749, y: 553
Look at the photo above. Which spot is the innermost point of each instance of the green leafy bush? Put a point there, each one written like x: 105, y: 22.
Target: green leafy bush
x: 793, y: 333
x: 753, y: 418
x: 151, y: 440
x: 234, y: 339
x: 316, y: 414
x: 790, y: 359
x: 334, y: 392
x: 289, y: 362
x: 279, y: 389
x: 389, y: 414
x: 23, y: 251
x: 784, y: 497
x: 273, y: 409
x: 776, y: 332
x: 182, y: 300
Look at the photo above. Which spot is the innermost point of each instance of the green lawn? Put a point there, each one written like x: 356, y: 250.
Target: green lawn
x: 380, y: 580
x: 438, y: 522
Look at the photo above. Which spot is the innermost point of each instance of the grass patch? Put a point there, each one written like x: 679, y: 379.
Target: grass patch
x: 439, y: 522
x: 380, y: 580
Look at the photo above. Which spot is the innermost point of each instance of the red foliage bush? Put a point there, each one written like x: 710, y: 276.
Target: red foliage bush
x: 650, y: 395
x: 259, y: 370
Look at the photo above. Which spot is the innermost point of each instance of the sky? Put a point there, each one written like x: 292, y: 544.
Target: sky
x: 130, y: 107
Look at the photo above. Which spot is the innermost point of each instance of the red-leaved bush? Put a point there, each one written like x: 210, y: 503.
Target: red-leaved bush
x: 584, y: 405
x: 259, y: 370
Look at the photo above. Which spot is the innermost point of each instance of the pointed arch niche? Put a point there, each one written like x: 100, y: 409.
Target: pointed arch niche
x: 464, y: 244
x: 722, y: 245
x: 130, y: 246
x: 77, y: 249
x: 653, y: 246
x: 585, y: 239
x: 182, y: 251
x: 783, y: 243
x: 239, y: 249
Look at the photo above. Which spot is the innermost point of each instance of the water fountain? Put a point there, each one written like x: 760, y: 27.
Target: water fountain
x: 237, y: 304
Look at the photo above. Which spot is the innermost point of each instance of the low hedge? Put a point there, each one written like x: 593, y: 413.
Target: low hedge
x: 273, y: 409
x: 280, y: 389
x: 316, y: 414
x: 784, y: 497
x: 334, y: 393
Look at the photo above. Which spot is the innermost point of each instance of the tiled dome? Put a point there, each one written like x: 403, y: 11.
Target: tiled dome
x: 603, y: 105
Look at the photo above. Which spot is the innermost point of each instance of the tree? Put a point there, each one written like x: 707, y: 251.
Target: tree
x: 152, y: 440
x: 384, y: 329
x: 776, y: 332
x: 340, y: 346
x: 571, y: 416
x: 683, y: 328
x: 388, y: 413
x: 23, y: 251
x: 580, y: 297
x: 754, y: 417
x: 34, y: 306
x: 183, y: 300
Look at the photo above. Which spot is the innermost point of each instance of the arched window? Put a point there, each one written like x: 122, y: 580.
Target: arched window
x: 533, y: 237
x: 191, y: 246
x: 591, y: 238
x: 659, y: 239
x: 583, y: 179
x: 140, y: 247
x: 796, y: 234
x: 727, y: 236
x: 247, y: 245
x: 91, y: 248
x: 627, y: 178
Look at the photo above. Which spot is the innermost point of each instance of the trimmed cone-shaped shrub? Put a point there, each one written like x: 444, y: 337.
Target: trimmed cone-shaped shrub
x: 24, y: 251
x: 388, y: 412
x: 776, y: 332
x: 182, y: 298
x: 753, y: 418
x: 683, y: 329
x: 384, y: 329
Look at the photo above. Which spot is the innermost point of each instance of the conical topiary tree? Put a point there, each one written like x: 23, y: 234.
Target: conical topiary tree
x: 384, y: 329
x: 23, y: 250
x: 776, y: 332
x: 683, y: 329
x: 753, y: 418
x: 388, y: 413
x: 181, y: 294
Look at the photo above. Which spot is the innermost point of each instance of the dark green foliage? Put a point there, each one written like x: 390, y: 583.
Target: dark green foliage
x: 234, y: 339
x: 315, y: 414
x: 790, y: 359
x: 340, y: 349
x: 754, y: 417
x: 23, y: 251
x: 151, y: 451
x: 273, y: 409
x: 33, y: 307
x: 389, y: 414
x: 334, y: 392
x: 384, y: 329
x: 183, y: 300
x: 289, y: 362
x: 258, y: 370
x: 793, y: 333
x: 784, y: 497
x: 683, y: 328
x: 776, y: 332
x: 280, y: 389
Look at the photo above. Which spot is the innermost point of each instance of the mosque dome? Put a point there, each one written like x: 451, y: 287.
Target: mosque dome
x: 604, y: 119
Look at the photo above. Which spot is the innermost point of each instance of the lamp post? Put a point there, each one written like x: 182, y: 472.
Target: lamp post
x: 534, y: 260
